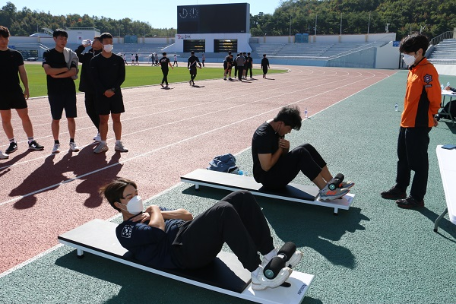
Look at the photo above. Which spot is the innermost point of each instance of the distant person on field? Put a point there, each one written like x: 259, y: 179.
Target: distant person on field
x: 203, y: 59
x: 244, y: 70
x: 85, y: 82
x: 227, y: 66
x: 275, y: 166
x: 248, y: 65
x: 240, y: 61
x: 421, y: 103
x: 132, y: 59
x: 60, y: 65
x: 265, y: 65
x: 125, y: 59
x: 164, y: 62
x: 192, y: 63
x: 137, y: 59
x: 108, y: 74
x: 175, y: 61
x: 12, y: 96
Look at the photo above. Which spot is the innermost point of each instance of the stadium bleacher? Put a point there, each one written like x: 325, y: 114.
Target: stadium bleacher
x: 444, y: 52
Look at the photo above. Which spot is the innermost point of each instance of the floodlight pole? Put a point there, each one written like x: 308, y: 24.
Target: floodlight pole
x: 341, y: 24
x: 368, y: 24
x: 315, y: 28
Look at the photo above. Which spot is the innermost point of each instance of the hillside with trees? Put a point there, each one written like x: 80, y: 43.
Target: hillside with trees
x: 432, y: 17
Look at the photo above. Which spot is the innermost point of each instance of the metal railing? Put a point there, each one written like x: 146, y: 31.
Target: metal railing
x: 436, y: 40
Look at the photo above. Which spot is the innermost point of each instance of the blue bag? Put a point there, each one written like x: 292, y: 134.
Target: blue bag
x: 223, y: 163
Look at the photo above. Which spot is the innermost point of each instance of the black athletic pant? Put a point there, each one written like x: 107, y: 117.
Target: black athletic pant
x: 240, y: 70
x: 412, y: 152
x: 89, y: 101
x: 304, y: 158
x: 235, y: 70
x: 237, y: 220
x: 249, y: 68
x: 165, y: 76
x: 193, y: 73
x: 265, y: 70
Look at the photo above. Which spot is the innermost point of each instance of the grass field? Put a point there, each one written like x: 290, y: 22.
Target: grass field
x: 136, y: 76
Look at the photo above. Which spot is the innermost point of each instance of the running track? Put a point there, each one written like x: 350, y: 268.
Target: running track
x: 169, y: 133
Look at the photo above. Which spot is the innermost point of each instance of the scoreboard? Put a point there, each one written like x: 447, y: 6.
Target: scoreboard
x: 213, y: 18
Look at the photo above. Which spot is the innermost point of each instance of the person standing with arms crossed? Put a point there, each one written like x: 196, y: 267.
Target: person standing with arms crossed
x: 164, y: 62
x: 108, y: 74
x: 421, y: 103
x: 240, y: 61
x: 191, y: 65
x: 248, y: 65
x: 85, y: 83
x: 61, y: 88
x: 12, y: 65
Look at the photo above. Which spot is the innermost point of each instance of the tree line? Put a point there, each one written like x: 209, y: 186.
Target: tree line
x: 323, y: 17
x: 26, y: 22
x: 431, y: 17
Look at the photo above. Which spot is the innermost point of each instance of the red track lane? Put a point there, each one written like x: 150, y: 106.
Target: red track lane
x: 169, y: 133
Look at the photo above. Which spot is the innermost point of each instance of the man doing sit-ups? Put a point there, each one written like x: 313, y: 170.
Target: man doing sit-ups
x: 170, y: 239
x: 275, y: 166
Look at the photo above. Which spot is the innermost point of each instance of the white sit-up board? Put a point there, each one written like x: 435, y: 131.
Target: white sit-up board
x: 226, y: 275
x: 292, y: 192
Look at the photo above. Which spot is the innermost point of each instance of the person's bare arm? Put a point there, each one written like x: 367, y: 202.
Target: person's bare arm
x: 24, y: 79
x: 178, y: 214
x: 68, y: 73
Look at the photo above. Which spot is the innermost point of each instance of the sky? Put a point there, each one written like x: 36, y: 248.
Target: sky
x: 159, y: 14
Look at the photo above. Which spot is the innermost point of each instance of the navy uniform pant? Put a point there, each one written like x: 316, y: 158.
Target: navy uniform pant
x: 412, y: 152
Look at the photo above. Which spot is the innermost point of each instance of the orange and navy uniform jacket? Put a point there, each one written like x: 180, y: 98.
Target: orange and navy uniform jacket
x: 422, y: 97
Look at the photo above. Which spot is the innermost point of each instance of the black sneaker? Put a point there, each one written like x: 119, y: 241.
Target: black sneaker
x: 12, y: 147
x: 394, y: 194
x: 33, y: 145
x: 409, y: 203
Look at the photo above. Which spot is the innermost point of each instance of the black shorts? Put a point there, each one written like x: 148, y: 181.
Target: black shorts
x: 13, y: 100
x: 225, y: 65
x: 105, y: 105
x: 61, y: 101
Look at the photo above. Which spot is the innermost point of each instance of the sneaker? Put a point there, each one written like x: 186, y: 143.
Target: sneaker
x: 260, y: 282
x: 190, y: 82
x: 97, y: 138
x: 328, y: 195
x: 161, y: 85
x: 292, y: 262
x: 102, y: 147
x: 394, y: 194
x: 346, y: 185
x: 12, y: 147
x: 230, y: 79
x: 224, y: 78
x: 120, y: 147
x: 3, y: 155
x: 409, y: 203
x: 56, y: 148
x: 33, y: 145
x: 74, y: 147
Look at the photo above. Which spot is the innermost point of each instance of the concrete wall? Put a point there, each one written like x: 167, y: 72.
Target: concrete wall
x: 388, y: 57
x: 329, y: 38
x: 242, y: 40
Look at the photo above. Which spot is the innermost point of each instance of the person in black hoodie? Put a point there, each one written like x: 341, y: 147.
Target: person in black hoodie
x: 85, y: 82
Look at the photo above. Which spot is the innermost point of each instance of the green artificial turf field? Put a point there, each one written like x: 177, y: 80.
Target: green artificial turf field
x: 136, y: 76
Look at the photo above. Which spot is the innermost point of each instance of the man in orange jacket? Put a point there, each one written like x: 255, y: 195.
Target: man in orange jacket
x: 421, y: 103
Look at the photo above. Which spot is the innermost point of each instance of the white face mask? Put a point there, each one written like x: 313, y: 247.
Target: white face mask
x: 135, y: 205
x: 408, y: 59
x: 108, y: 48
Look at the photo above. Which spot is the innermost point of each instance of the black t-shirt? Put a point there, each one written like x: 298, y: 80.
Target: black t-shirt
x: 107, y: 73
x: 192, y: 62
x: 265, y: 141
x: 150, y: 245
x: 56, y: 60
x: 248, y: 61
x: 10, y: 61
x: 164, y: 61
